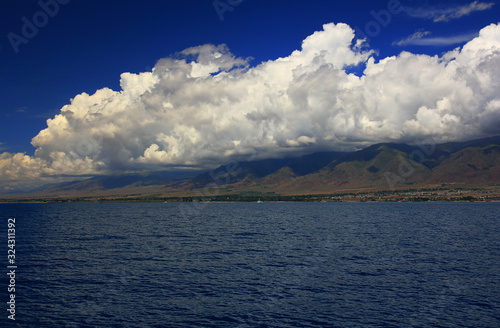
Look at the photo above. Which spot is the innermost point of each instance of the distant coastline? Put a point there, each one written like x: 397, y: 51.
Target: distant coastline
x: 409, y: 195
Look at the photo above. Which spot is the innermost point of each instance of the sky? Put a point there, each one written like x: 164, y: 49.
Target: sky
x: 104, y: 87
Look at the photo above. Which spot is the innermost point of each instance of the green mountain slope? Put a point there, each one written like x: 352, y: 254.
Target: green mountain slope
x: 380, y: 166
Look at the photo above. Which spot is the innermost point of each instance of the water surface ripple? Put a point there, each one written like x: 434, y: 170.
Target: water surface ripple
x: 256, y: 265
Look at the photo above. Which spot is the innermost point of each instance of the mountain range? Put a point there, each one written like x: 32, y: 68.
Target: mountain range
x: 384, y: 166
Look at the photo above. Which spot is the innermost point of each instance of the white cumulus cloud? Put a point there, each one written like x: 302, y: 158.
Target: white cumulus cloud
x: 204, y: 106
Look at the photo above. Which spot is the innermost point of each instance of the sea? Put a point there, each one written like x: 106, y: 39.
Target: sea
x: 251, y: 265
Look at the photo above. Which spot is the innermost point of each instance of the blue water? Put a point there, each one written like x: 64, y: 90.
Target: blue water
x: 255, y: 265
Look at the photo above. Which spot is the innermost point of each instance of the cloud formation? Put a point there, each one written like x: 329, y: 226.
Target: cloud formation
x: 447, y: 14
x: 419, y: 39
x: 204, y: 106
x: 412, y: 38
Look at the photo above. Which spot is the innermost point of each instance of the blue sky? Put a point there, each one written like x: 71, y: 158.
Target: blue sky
x: 88, y: 44
x: 83, y: 46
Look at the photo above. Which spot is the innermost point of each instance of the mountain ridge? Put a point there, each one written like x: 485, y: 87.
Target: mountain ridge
x: 379, y: 166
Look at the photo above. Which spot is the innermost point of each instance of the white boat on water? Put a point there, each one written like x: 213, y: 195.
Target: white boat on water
x: 259, y: 202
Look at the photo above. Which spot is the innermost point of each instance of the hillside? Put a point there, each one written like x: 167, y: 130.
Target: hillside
x: 384, y: 166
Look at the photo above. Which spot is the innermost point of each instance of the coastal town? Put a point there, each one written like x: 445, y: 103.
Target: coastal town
x: 415, y: 195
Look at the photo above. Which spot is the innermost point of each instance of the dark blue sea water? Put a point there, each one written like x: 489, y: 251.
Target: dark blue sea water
x: 254, y: 265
